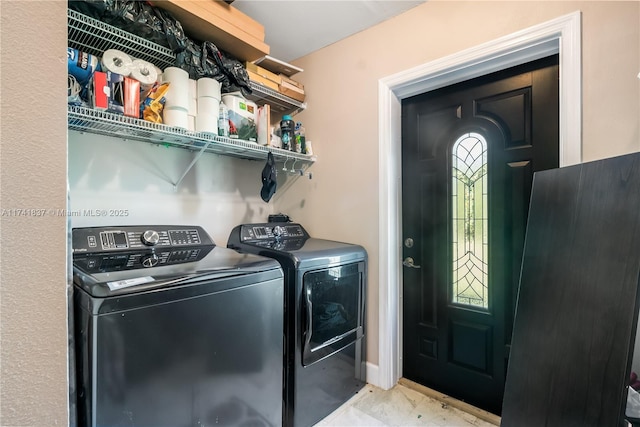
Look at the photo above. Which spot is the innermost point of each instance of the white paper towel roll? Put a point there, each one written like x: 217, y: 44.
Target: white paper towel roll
x: 176, y: 117
x: 144, y: 72
x: 209, y: 106
x: 193, y: 95
x: 207, y: 123
x: 193, y: 89
x: 178, y: 93
x: 192, y: 123
x: 208, y: 87
x: 193, y: 107
x: 116, y: 61
x: 159, y: 73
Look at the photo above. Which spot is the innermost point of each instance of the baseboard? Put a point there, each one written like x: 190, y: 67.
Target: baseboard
x: 373, y: 374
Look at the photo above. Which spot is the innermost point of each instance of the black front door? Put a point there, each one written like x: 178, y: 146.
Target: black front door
x: 469, y: 152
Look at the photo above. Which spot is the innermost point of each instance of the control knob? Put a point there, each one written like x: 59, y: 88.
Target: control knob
x: 150, y: 237
x: 278, y: 231
x: 150, y: 260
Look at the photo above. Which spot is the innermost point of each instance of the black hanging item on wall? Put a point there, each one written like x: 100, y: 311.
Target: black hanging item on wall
x: 269, y: 183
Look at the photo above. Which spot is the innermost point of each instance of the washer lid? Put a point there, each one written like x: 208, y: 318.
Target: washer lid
x: 108, y: 274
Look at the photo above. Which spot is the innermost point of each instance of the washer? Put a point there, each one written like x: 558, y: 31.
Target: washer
x: 325, y: 285
x: 171, y: 330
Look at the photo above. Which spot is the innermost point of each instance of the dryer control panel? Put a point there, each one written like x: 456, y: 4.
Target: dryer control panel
x: 271, y: 232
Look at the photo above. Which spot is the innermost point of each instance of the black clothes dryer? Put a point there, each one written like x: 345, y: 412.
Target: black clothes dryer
x: 324, y: 308
x: 171, y: 330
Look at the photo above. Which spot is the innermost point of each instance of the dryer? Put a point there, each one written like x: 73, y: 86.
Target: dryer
x: 324, y: 316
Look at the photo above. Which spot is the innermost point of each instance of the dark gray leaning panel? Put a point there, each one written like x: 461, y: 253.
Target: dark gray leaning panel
x: 577, y: 307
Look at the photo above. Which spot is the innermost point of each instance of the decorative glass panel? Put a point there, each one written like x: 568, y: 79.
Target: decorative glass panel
x: 469, y: 217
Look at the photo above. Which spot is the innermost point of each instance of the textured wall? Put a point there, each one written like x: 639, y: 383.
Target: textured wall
x: 33, y: 307
x: 341, y: 81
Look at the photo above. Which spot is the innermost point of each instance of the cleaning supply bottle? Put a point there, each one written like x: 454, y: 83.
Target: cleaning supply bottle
x: 223, y: 120
x: 300, y: 139
x: 287, y: 128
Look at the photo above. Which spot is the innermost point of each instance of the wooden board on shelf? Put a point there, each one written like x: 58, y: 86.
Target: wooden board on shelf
x: 256, y: 69
x: 211, y: 9
x: 262, y: 80
x: 233, y: 16
x: 292, y: 91
x: 277, y: 66
x: 199, y: 22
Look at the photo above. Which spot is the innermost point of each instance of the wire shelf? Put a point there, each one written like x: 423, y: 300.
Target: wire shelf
x: 94, y: 37
x: 100, y: 122
x: 279, y: 102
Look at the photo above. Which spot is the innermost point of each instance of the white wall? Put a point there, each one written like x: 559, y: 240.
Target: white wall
x: 112, y: 174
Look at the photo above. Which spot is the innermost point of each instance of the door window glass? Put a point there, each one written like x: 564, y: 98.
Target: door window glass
x: 470, y: 221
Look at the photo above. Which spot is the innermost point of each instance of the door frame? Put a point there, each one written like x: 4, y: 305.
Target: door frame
x: 561, y: 35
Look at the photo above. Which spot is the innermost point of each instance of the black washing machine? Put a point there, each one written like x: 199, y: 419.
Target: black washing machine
x: 172, y: 331
x: 325, y: 285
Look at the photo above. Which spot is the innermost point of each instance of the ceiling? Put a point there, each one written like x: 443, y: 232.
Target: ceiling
x: 294, y: 28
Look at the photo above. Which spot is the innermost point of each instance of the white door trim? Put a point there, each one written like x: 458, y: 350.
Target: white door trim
x: 561, y: 35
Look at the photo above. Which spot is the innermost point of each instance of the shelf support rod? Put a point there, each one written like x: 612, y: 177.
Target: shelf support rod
x: 193, y: 162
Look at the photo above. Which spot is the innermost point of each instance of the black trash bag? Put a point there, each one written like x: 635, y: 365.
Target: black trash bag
x: 206, y: 60
x: 173, y: 31
x: 269, y: 177
x: 136, y: 17
x: 240, y: 80
x: 234, y: 75
x: 92, y: 8
x: 190, y: 60
x: 141, y: 19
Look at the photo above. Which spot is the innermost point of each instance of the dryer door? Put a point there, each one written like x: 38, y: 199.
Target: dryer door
x: 333, y: 310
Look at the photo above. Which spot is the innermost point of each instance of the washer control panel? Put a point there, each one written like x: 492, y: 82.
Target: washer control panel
x: 114, y: 239
x: 107, y: 262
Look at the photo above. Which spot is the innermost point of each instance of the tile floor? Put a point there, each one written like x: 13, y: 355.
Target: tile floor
x: 400, y: 406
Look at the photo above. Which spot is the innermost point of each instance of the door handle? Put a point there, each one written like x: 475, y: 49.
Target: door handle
x: 408, y: 262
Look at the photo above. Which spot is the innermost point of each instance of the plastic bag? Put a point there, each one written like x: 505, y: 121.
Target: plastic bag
x: 234, y: 76
x: 633, y: 403
x: 136, y: 17
x: 192, y: 61
x: 206, y: 60
x: 154, y: 104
